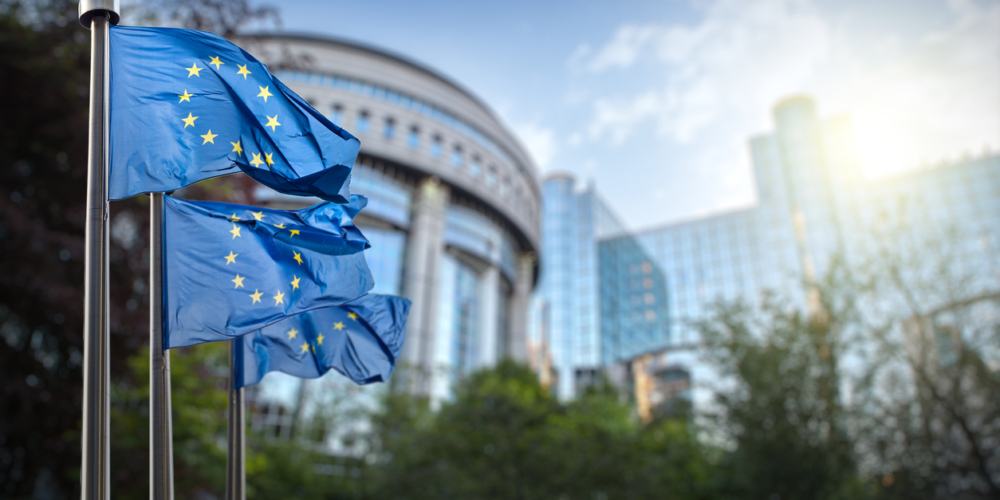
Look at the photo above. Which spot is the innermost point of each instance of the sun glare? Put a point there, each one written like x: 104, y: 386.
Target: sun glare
x: 887, y: 122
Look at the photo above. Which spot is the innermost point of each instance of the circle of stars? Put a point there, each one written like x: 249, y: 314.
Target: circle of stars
x: 258, y: 159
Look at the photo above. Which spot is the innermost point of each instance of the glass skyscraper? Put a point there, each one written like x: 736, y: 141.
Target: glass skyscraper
x: 813, y: 203
x: 565, y: 338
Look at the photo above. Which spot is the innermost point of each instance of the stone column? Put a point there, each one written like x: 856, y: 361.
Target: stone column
x: 488, y: 343
x: 518, y: 347
x: 420, y: 278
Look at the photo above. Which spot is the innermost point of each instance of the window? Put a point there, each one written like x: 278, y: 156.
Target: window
x: 413, y: 139
x: 474, y: 167
x: 491, y: 177
x: 456, y: 157
x: 505, y: 188
x: 390, y: 128
x: 436, y: 146
x: 362, y: 124
x: 337, y: 114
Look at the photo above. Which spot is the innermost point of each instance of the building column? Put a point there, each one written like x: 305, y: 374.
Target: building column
x: 517, y: 349
x: 420, y: 279
x: 488, y: 343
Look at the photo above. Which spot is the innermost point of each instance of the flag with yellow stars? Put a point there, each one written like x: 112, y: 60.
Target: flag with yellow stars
x: 188, y: 105
x: 361, y: 340
x: 229, y: 270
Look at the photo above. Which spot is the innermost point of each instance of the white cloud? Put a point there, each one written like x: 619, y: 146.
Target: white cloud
x: 926, y: 96
x: 737, y: 59
x: 540, y: 141
x: 932, y: 98
x: 623, y: 50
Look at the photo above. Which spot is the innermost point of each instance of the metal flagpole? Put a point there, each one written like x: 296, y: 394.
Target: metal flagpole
x: 161, y: 449
x: 95, y: 472
x: 236, y: 463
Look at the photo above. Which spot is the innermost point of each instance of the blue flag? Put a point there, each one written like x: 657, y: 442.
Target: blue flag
x: 188, y: 105
x: 229, y: 270
x: 360, y: 339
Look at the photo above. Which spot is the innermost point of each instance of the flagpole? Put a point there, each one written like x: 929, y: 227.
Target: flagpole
x: 161, y: 449
x: 236, y: 461
x: 95, y: 471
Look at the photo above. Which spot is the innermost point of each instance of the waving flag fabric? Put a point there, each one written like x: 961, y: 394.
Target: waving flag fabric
x: 229, y: 270
x: 188, y: 105
x: 360, y: 339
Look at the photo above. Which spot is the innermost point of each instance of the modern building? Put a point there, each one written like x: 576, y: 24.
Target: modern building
x: 454, y: 199
x: 655, y: 285
x: 565, y: 306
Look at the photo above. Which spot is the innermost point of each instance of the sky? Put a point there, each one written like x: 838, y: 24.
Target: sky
x: 655, y: 102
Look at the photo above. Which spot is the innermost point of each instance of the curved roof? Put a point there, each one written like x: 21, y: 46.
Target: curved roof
x: 379, y: 52
x: 479, y: 124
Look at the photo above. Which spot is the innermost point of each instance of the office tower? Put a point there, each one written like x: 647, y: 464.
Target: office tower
x: 565, y: 343
x: 813, y: 204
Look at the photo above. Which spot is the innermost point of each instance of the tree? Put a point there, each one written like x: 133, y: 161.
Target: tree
x: 44, y: 72
x: 928, y: 399
x: 890, y: 388
x: 784, y: 412
x: 504, y: 436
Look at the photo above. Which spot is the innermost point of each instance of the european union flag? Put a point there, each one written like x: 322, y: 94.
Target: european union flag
x: 360, y: 339
x: 229, y: 270
x: 188, y: 105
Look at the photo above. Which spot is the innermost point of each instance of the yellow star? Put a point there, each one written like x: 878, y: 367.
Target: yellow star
x: 319, y: 340
x: 267, y: 158
x: 189, y: 121
x: 255, y: 296
x: 209, y: 137
x: 243, y: 71
x: 294, y: 232
x: 292, y: 333
x: 193, y: 70
x: 305, y: 347
x: 216, y: 62
x: 338, y: 325
x: 237, y: 148
x: 280, y: 226
x: 258, y: 215
x: 279, y: 298
x: 298, y: 257
x: 272, y: 122
x: 256, y: 160
x: 231, y: 258
x: 185, y: 96
x: 264, y: 92
x: 352, y: 316
x: 233, y: 217
x: 314, y: 349
x: 295, y: 282
x: 236, y: 231
x: 239, y: 281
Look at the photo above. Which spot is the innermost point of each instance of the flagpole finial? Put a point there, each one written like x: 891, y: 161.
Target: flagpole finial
x: 90, y: 8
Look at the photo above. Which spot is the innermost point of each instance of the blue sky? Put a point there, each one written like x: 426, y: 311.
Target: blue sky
x: 656, y: 101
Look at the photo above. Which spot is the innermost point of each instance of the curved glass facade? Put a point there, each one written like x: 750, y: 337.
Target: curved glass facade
x: 453, y: 247
x: 475, y: 233
x: 386, y: 258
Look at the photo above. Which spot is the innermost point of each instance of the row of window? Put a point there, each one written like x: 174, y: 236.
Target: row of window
x: 457, y: 155
x: 415, y: 104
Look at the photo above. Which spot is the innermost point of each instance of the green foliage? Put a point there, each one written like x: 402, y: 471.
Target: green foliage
x: 44, y: 74
x: 504, y: 436
x: 784, y: 414
x: 199, y: 377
